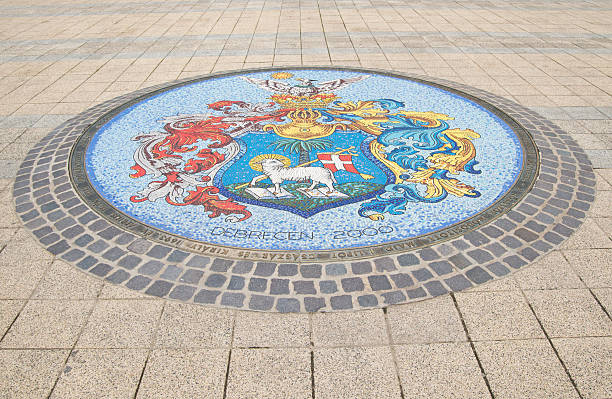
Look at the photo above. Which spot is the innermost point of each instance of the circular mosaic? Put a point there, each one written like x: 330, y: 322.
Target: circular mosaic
x: 336, y: 162
x: 304, y: 189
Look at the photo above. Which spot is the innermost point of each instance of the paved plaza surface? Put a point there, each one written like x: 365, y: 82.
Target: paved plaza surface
x: 456, y: 244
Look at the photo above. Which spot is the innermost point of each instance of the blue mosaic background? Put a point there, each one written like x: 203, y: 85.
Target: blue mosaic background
x: 110, y: 156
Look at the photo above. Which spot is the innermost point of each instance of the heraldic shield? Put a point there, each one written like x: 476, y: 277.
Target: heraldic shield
x: 327, y: 172
x: 305, y: 150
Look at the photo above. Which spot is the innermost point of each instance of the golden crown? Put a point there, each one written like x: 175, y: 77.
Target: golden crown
x: 314, y: 101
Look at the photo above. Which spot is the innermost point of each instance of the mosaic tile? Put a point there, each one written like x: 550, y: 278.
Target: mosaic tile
x: 304, y: 189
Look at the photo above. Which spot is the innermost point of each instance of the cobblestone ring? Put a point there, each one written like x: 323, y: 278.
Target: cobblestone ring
x: 304, y: 189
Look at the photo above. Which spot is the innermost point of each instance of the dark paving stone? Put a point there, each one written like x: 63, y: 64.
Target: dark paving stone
x: 385, y: 265
x: 45, y: 208
x: 361, y: 267
x: 367, y: 300
x: 43, y: 231
x: 480, y: 256
x: 242, y: 267
x: 422, y: 274
x: 428, y: 254
x: 492, y: 231
x: 313, y: 304
x: 408, y: 260
x: 311, y: 271
x: 563, y: 230
x: 151, y: 267
x: 261, y: 302
x: 511, y: 242
x: 526, y: 235
x: 393, y: 297
x: 461, y: 245
x: 191, y: 276
x: 34, y: 224
x: 352, y: 284
x: 137, y: 283
x: 445, y: 250
x: 541, y: 246
x: 59, y: 247
x: 460, y: 261
x: 435, y: 288
x: 476, y: 239
x: 534, y: 226
x: 171, y: 272
x: 441, y: 267
x: 236, y: 283
x: 496, y: 249
x: 110, y: 233
x: 73, y: 231
x: 233, y: 299
x: 30, y: 215
x: 182, y: 292
x: 328, y: 287
x: 129, y: 262
x: 334, y: 269
x: 43, y: 199
x: 529, y: 254
x: 527, y: 209
x: 458, y: 282
x: 73, y: 255
x: 159, y: 288
x: 552, y: 210
x: 341, y: 302
x: 177, y: 256
x: 265, y: 269
x: 279, y: 286
x: 215, y: 280
x: 581, y: 205
x: 553, y: 238
x: 416, y: 293
x: 125, y: 239
x: 378, y: 283
x: 28, y: 205
x: 287, y: 269
x: 257, y: 284
x: 87, y: 262
x: 83, y: 240
x: 206, y: 296
x: 98, y: 246
x: 139, y: 246
x: 568, y: 221
x: 113, y: 254
x: 514, y: 261
x: 505, y: 224
x: 221, y: 265
x: 98, y: 225
x: 478, y: 275
x: 198, y: 261
x: 158, y: 252
x: 304, y: 287
x: 50, y: 239
x: 287, y: 305
x: 118, y: 277
x: 101, y: 269
x: 402, y: 280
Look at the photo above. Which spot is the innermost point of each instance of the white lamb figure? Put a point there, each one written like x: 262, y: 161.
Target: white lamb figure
x: 277, y: 172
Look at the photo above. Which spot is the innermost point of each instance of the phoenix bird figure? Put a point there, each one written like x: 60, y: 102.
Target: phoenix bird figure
x: 307, y: 86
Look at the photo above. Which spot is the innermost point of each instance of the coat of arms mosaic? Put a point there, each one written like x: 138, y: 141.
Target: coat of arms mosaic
x: 302, y: 159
